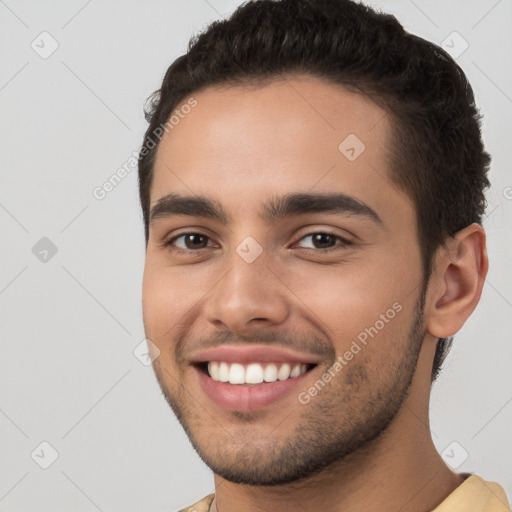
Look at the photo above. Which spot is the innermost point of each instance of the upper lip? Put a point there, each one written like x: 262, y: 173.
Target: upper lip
x: 252, y: 353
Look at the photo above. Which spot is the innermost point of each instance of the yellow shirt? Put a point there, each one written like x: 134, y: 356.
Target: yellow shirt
x: 474, y: 495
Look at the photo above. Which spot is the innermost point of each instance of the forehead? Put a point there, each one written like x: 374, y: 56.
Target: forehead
x: 295, y: 134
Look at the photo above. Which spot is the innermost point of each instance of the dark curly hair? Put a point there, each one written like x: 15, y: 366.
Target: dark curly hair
x: 437, y: 156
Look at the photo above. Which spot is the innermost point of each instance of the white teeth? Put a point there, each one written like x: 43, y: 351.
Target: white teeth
x: 284, y: 372
x: 254, y: 373
x: 213, y: 370
x: 236, y: 374
x: 223, y: 372
x: 295, y: 371
x: 270, y: 374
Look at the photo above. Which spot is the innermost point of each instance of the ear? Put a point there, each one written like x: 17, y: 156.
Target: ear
x: 456, y: 282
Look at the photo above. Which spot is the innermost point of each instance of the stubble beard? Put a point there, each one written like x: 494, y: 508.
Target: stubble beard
x: 332, y: 426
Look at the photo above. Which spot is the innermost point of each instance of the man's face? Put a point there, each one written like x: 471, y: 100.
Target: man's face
x: 261, y: 291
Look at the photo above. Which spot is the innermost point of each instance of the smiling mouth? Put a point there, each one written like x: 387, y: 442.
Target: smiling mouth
x: 253, y: 373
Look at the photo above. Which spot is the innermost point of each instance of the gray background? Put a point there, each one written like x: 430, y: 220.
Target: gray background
x: 70, y: 321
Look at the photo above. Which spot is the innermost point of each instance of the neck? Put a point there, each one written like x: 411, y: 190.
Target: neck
x: 416, y: 480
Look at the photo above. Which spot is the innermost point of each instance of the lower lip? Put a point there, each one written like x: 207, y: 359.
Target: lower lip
x: 238, y: 397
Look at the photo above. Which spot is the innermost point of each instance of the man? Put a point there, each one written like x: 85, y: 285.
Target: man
x: 312, y: 182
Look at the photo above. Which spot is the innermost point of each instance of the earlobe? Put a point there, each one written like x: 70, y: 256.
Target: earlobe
x: 456, y: 286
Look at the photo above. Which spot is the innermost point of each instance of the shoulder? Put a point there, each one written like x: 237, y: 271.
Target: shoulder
x: 202, y: 505
x: 478, y: 495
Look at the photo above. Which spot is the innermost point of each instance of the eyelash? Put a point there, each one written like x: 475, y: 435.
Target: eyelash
x: 344, y: 243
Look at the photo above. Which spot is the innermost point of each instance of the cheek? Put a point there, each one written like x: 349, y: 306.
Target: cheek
x: 162, y: 310
x: 169, y: 297
x: 160, y: 304
x: 342, y: 305
x: 352, y: 297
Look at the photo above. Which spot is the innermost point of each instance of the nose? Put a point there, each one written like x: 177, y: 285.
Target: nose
x: 248, y: 295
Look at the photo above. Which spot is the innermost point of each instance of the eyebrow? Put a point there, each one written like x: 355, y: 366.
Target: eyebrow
x: 274, y: 209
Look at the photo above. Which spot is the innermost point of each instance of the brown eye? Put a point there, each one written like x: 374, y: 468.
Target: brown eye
x: 325, y: 242
x: 191, y: 241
